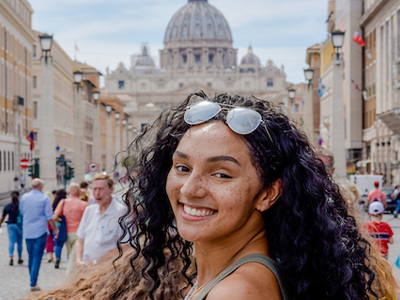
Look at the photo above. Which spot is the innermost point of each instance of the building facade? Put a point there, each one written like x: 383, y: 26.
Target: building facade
x: 381, y: 112
x: 16, y: 40
x: 198, y: 54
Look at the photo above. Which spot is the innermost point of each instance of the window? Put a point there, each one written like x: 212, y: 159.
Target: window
x: 209, y: 84
x: 197, y: 58
x: 12, y: 161
x: 210, y: 58
x: 297, y: 107
x: 270, y: 82
x: 34, y: 51
x: 4, y: 161
x: 34, y: 81
x: 184, y: 58
x: 121, y: 84
x: 9, y: 161
x: 35, y: 136
x: 35, y: 110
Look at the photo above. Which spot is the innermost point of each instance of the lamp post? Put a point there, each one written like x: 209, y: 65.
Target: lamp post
x: 96, y: 129
x: 47, y: 139
x: 117, y: 133
x: 309, y: 106
x: 124, y: 134
x: 109, y: 147
x: 337, y: 132
x: 291, y: 95
x: 79, y: 145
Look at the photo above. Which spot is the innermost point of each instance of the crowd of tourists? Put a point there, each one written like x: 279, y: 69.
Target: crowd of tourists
x: 48, y: 221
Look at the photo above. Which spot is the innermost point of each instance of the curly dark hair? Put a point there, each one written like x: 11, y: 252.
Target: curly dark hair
x: 320, y: 252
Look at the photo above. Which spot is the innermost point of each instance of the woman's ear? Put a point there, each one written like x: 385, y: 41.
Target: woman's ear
x: 269, y: 196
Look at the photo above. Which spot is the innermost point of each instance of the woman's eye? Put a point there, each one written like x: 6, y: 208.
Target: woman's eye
x: 182, y: 168
x: 222, y: 175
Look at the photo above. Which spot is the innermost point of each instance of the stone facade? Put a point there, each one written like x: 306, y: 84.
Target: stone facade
x: 16, y: 39
x: 381, y: 114
x: 198, y: 55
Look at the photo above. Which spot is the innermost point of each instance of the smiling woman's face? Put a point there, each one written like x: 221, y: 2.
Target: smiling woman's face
x: 213, y: 186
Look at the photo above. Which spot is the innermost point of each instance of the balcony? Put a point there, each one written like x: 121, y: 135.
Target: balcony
x: 391, y: 119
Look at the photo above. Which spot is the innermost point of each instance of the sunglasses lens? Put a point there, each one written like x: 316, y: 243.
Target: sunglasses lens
x: 243, y: 120
x: 201, y: 112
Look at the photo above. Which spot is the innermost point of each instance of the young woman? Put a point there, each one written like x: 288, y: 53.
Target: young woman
x: 233, y: 179
x: 14, y: 227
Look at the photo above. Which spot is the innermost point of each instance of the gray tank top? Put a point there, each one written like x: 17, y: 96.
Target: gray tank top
x: 258, y: 258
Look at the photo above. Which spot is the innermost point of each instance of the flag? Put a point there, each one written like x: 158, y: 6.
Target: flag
x: 31, y: 139
x: 320, y: 141
x: 76, y: 47
x: 301, y: 122
x: 358, y: 39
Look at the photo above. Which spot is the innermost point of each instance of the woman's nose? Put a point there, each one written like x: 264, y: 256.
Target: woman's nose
x: 194, y: 186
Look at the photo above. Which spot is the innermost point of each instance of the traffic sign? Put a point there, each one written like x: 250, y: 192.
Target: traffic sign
x: 24, y: 163
x: 93, y: 167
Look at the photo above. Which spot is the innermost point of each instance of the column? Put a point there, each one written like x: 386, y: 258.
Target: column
x: 109, y: 148
x: 47, y: 139
x: 96, y: 136
x: 309, y: 114
x: 79, y: 145
x: 337, y: 123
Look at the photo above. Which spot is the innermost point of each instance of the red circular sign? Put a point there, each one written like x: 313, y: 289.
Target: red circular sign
x: 93, y: 167
x: 24, y: 163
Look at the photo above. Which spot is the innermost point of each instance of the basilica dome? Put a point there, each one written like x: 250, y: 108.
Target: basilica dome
x: 250, y: 58
x: 198, y: 20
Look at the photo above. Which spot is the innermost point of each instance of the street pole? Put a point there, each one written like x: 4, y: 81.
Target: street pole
x: 79, y: 149
x: 337, y: 140
x: 309, y: 114
x: 47, y: 139
x: 109, y: 151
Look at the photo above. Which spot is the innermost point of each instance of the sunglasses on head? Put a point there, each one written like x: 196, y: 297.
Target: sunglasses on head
x: 241, y: 120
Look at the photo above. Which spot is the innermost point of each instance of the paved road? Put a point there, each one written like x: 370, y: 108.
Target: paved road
x: 15, y: 279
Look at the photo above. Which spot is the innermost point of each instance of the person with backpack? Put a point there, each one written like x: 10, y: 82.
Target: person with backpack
x: 14, y: 226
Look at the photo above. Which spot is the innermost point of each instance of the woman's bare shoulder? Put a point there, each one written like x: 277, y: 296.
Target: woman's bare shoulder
x: 251, y: 281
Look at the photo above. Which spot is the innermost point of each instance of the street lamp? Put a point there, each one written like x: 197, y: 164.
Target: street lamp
x: 78, y: 76
x: 117, y: 115
x: 309, y: 74
x: 46, y: 41
x: 96, y: 96
x: 108, y: 108
x: 337, y: 41
x: 292, y: 93
x: 124, y: 122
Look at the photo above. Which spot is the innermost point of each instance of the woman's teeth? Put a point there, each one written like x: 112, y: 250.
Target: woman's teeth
x: 197, y: 212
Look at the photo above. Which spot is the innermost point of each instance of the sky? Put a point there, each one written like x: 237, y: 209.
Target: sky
x: 107, y: 32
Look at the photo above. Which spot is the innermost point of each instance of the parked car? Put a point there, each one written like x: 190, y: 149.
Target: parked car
x: 391, y: 204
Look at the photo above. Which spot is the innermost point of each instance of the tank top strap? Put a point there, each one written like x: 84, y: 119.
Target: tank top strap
x: 258, y: 258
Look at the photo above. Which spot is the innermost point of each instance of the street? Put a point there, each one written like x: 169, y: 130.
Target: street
x: 15, y: 279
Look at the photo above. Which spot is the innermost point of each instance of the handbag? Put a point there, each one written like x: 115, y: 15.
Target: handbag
x: 62, y: 227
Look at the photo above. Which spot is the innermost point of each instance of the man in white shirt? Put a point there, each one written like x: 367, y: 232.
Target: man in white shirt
x: 98, y: 230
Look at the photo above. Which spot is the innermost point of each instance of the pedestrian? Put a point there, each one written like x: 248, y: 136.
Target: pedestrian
x: 50, y: 236
x: 98, y: 230
x: 36, y: 211
x: 16, y: 181
x: 233, y: 179
x: 22, y: 181
x: 381, y: 233
x: 14, y: 227
x: 58, y: 244
x: 377, y: 195
x: 395, y: 197
x: 72, y: 209
x: 84, y: 196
